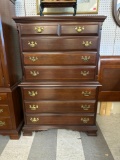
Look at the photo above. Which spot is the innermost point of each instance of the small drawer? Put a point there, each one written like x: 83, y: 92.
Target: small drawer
x: 3, y: 98
x: 5, y: 123
x: 59, y: 43
x: 55, y: 73
x: 4, y: 111
x: 59, y: 58
x: 79, y: 29
x: 59, y: 93
x: 60, y: 119
x: 60, y: 106
x: 38, y: 29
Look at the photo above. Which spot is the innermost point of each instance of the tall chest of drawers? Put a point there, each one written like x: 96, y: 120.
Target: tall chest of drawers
x: 11, y: 115
x: 60, y: 64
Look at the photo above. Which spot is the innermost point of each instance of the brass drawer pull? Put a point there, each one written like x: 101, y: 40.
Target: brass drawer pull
x: 79, y: 29
x: 84, y: 73
x: 33, y: 59
x: 34, y: 73
x: 39, y: 29
x: 34, y: 120
x: 33, y: 107
x: 86, y: 93
x: 2, y: 123
x: 87, y: 43
x: 32, y: 44
x: 85, y: 120
x: 85, y: 107
x: 85, y: 58
x: 1, y: 110
x: 32, y: 93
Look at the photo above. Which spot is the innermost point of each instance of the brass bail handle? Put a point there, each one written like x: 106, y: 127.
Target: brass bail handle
x: 32, y: 44
x: 84, y: 73
x: 85, y: 58
x: 39, y: 29
x: 86, y: 93
x: 79, y: 29
x: 34, y: 120
x: 32, y: 93
x: 87, y: 43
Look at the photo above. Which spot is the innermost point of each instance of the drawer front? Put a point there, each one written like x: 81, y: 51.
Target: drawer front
x: 54, y: 73
x: 60, y: 58
x: 5, y: 123
x: 3, y: 98
x: 60, y: 106
x: 79, y: 29
x: 39, y: 29
x: 60, y: 119
x: 4, y: 111
x: 59, y: 93
x: 59, y: 44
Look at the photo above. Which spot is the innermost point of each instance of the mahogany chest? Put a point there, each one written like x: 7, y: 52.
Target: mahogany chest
x: 60, y: 58
x: 11, y: 115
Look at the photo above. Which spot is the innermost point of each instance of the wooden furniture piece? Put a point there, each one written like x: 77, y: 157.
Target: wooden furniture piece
x: 60, y: 63
x: 11, y: 118
x: 109, y: 77
x: 55, y: 3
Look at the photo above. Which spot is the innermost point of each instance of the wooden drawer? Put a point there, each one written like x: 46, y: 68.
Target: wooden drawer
x: 60, y: 58
x: 60, y: 119
x: 39, y: 29
x: 59, y: 43
x: 55, y: 73
x: 79, y: 29
x: 5, y: 123
x: 59, y: 93
x: 4, y: 111
x: 3, y: 98
x: 59, y: 106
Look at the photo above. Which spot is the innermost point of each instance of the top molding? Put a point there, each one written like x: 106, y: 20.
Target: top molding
x: 59, y: 18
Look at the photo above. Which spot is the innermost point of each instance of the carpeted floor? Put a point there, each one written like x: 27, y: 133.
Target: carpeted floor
x: 55, y: 145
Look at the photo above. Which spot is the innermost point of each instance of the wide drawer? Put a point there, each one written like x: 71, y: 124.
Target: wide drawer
x: 59, y: 106
x: 39, y: 29
x: 54, y: 73
x: 3, y: 98
x: 5, y: 123
x: 79, y: 29
x: 4, y: 111
x: 60, y: 119
x: 59, y: 93
x: 59, y: 58
x: 59, y: 43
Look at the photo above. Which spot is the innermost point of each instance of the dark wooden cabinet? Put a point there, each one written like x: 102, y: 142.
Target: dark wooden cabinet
x: 60, y: 72
x: 11, y: 118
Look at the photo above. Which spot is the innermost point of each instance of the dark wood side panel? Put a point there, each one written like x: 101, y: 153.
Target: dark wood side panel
x: 109, y: 77
x: 60, y: 44
x: 1, y: 75
x: 11, y: 58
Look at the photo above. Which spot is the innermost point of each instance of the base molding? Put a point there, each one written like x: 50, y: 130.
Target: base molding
x: 13, y: 134
x: 90, y: 130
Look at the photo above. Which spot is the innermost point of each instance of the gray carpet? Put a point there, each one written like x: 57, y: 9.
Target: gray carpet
x: 44, y: 146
